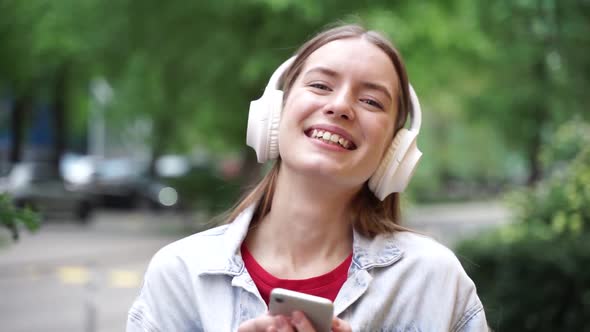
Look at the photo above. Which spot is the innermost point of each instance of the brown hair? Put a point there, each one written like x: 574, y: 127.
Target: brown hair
x: 373, y: 216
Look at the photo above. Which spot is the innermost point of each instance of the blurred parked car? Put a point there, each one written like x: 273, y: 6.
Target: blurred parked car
x: 161, y: 188
x: 176, y: 182
x: 39, y: 186
x: 158, y: 194
x: 117, y: 182
x: 127, y: 183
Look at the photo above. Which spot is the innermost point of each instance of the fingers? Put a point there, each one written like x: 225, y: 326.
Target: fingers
x: 258, y: 324
x: 266, y: 323
x: 338, y: 325
x: 301, y: 323
x: 282, y: 324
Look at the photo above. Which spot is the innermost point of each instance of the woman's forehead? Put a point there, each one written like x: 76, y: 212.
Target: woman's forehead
x: 353, y: 56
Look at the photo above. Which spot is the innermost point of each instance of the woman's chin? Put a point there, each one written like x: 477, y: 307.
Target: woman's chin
x: 323, y: 170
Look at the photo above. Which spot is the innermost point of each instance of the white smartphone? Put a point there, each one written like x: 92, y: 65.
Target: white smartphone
x: 318, y: 310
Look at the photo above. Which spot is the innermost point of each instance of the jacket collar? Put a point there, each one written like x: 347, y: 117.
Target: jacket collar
x: 377, y: 252
x: 367, y: 253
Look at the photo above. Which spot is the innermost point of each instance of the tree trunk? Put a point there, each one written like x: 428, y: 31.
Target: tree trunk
x: 22, y: 106
x: 60, y: 114
x: 535, y: 168
x: 160, y: 130
x: 163, y: 120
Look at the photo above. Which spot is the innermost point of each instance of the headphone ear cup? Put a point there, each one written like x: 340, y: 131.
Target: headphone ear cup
x: 263, y: 125
x: 275, y: 109
x: 386, y: 165
x: 397, y: 166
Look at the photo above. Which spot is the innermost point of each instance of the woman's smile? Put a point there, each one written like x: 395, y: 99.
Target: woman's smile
x: 333, y: 136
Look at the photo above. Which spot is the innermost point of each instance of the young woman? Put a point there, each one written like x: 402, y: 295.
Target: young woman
x: 325, y: 219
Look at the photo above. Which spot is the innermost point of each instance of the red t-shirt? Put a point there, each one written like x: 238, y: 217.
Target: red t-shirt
x: 327, y: 285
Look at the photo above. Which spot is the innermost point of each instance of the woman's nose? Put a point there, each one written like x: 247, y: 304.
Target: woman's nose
x: 341, y: 106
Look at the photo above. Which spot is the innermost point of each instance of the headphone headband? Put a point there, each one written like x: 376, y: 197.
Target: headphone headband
x: 273, y: 83
x: 415, y: 111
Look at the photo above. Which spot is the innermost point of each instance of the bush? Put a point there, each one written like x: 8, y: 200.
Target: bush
x: 533, y: 275
x: 204, y: 189
x: 13, y: 218
x: 534, y: 284
x: 562, y: 201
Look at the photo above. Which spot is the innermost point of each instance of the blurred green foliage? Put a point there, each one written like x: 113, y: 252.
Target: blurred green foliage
x: 533, y: 275
x: 14, y: 218
x: 205, y: 190
x: 533, y: 284
x: 562, y: 201
x: 494, y: 78
x: 535, y: 77
x: 570, y: 140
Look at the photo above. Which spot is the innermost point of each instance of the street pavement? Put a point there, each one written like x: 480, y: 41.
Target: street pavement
x: 74, y: 278
x: 451, y: 222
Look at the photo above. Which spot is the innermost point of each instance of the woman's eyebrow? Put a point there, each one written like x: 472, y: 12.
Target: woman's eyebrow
x: 322, y: 70
x: 368, y: 85
x: 378, y: 87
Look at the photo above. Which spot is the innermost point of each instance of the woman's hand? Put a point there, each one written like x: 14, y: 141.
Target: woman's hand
x: 338, y: 325
x: 297, y: 322
x: 264, y: 323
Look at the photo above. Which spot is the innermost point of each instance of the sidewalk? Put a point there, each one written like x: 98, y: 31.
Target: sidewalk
x: 108, y: 239
x: 103, y: 241
x: 451, y: 222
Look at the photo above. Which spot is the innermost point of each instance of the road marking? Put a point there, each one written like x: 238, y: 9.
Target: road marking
x: 76, y: 275
x: 80, y: 275
x: 124, y: 279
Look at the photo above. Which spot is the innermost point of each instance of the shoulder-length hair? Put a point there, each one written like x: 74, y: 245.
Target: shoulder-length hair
x: 373, y: 216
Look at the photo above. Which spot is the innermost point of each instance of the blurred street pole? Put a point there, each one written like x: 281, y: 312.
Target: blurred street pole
x: 101, y: 94
x: 90, y: 303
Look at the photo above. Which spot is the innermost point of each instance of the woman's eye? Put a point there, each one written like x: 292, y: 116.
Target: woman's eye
x: 320, y: 86
x: 373, y: 103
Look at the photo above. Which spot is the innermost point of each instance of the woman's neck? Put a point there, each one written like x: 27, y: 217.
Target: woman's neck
x: 308, y: 230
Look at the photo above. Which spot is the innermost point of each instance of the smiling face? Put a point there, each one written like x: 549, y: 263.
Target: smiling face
x: 339, y: 115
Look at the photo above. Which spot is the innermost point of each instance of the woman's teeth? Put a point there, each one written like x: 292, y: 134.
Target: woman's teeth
x: 330, y: 138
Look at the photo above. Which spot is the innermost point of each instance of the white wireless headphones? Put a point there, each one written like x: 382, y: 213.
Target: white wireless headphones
x: 395, y: 169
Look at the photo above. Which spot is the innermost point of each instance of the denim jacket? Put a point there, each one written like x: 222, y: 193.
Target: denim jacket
x: 396, y: 282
